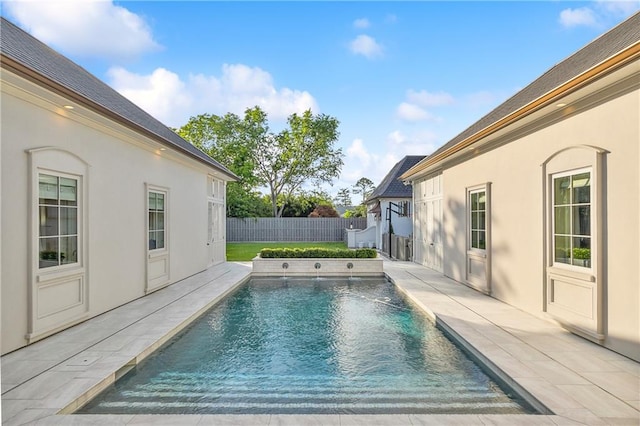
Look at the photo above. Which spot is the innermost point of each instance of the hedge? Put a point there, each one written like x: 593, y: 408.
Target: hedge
x: 363, y: 253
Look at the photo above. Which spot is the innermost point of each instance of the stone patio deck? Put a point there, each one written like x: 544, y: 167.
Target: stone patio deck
x: 580, y: 382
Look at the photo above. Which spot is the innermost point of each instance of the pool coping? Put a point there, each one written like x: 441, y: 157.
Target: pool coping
x: 580, y: 382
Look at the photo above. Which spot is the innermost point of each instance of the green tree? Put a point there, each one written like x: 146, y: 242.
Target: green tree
x: 363, y: 186
x: 283, y: 162
x: 357, y: 211
x: 343, y: 198
x: 302, y: 153
x: 302, y: 203
x: 226, y: 139
x: 246, y: 203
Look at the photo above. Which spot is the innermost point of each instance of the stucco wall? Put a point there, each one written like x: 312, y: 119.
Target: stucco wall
x: 116, y: 210
x: 515, y: 173
x: 402, y: 226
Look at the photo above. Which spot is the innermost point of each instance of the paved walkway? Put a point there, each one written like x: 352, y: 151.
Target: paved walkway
x: 580, y: 382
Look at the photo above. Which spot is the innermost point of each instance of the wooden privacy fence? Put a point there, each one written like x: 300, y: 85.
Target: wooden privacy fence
x: 291, y: 228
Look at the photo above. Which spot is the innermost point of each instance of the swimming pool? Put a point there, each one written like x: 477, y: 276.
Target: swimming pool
x: 308, y: 346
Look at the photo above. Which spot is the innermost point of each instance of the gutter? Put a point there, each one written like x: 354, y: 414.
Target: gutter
x: 29, y: 74
x: 609, y: 65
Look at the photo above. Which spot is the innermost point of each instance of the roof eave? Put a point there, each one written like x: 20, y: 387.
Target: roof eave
x: 612, y: 63
x: 28, y: 73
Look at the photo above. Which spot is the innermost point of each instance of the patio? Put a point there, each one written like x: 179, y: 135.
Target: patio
x: 580, y: 382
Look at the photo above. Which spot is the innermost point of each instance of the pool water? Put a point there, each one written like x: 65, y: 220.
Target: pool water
x: 322, y: 346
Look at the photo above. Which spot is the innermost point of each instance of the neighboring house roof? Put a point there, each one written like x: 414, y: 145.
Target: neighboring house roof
x: 34, y: 60
x: 391, y: 186
x: 614, y: 48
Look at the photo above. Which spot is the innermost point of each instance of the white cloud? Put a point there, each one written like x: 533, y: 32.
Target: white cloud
x: 482, y: 98
x: 426, y: 99
x: 85, y: 27
x: 172, y: 99
x: 618, y: 8
x: 360, y: 161
x: 422, y: 142
x: 160, y: 93
x: 391, y: 19
x: 366, y: 46
x: 357, y: 151
x: 412, y: 113
x: 414, y: 108
x: 575, y: 17
x: 361, y: 23
x: 602, y: 13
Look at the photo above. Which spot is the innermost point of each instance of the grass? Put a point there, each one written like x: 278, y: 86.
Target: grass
x: 243, y: 252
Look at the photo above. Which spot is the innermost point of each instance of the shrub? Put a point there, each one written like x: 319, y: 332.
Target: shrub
x: 316, y: 252
x: 581, y: 253
x: 324, y: 211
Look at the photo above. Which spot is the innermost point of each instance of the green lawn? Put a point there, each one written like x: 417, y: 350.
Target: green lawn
x: 241, y: 252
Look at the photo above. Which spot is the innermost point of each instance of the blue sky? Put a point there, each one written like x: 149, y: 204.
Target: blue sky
x: 401, y: 77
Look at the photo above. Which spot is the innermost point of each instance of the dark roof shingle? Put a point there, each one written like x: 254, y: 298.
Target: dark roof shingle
x: 607, y: 45
x: 31, y: 53
x: 391, y: 186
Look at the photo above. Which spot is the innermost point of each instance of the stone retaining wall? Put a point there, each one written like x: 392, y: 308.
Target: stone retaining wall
x: 323, y: 267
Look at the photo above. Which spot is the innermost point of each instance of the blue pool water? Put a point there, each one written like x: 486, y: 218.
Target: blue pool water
x: 308, y: 346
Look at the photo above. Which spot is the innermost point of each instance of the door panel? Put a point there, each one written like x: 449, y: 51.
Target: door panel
x: 434, y: 246
x: 216, y: 239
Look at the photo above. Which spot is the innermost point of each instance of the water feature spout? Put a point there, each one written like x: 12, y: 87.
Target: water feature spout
x: 317, y: 266
x: 350, y: 268
x: 285, y: 266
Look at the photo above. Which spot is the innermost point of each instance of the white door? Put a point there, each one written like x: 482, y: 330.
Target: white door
x: 433, y: 243
x: 478, y: 271
x: 158, y: 256
x: 216, y: 239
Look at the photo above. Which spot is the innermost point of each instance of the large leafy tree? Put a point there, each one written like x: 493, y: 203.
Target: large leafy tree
x: 226, y: 138
x: 282, y: 162
x: 302, y: 153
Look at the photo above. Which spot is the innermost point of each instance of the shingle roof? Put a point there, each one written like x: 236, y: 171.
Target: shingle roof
x: 34, y: 55
x: 607, y: 45
x: 391, y: 186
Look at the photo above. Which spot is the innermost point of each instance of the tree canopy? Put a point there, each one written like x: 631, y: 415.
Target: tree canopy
x: 282, y: 162
x: 363, y: 186
x: 324, y: 211
x: 302, y: 203
x: 343, y: 197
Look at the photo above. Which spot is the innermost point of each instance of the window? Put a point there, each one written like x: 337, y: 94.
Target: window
x: 156, y: 220
x: 57, y: 220
x: 404, y: 208
x: 572, y: 218
x: 478, y: 219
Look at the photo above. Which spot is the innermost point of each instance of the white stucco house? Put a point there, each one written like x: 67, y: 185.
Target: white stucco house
x: 538, y: 203
x: 389, y: 206
x: 101, y: 203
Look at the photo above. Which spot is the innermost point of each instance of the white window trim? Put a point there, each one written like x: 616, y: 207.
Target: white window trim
x: 164, y: 191
x: 216, y: 188
x: 43, y: 320
x: 158, y: 265
x: 592, y: 230
x: 487, y: 226
x: 79, y: 193
x: 571, y: 160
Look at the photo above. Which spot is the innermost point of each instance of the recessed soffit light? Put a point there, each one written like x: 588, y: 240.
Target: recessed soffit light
x: 67, y: 106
